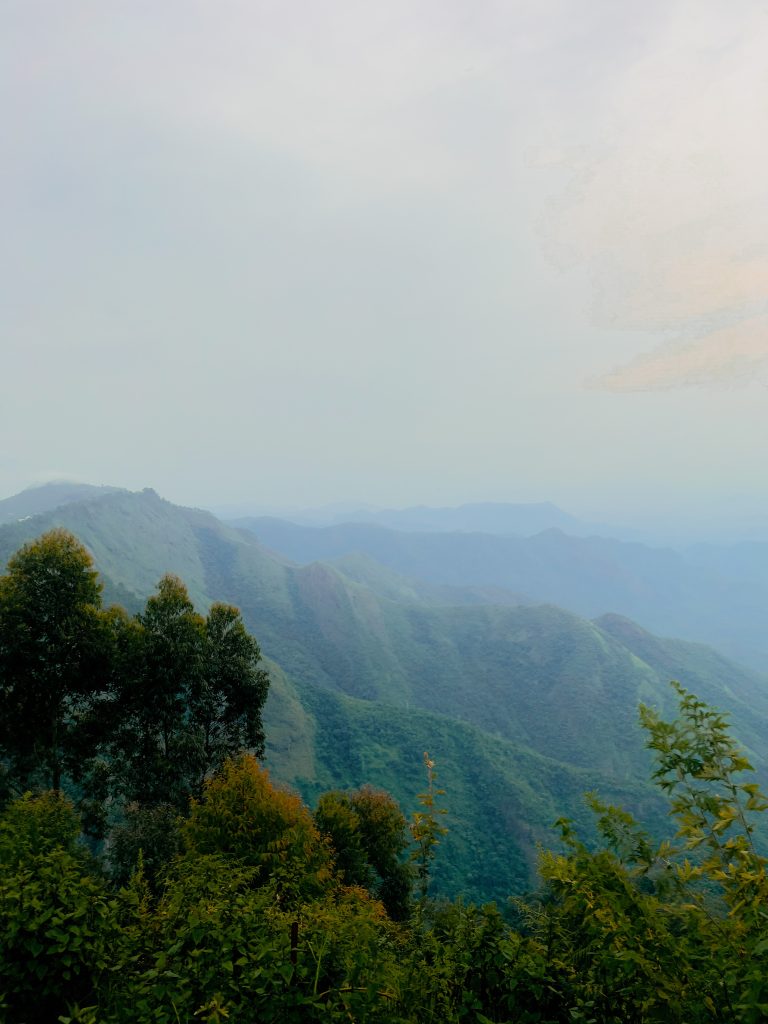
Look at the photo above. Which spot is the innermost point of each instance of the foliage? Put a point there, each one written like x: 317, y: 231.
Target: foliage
x: 224, y: 947
x: 701, y: 768
x: 426, y: 828
x: 368, y: 833
x: 57, y: 921
x: 244, y: 818
x: 611, y: 949
x: 466, y: 959
x: 153, y: 749
x: 37, y: 825
x: 252, y: 921
x: 673, y: 932
x: 151, y: 835
x: 500, y: 692
x: 226, y: 706
x: 54, y: 659
x: 190, y: 696
x: 253, y: 909
x: 105, y: 705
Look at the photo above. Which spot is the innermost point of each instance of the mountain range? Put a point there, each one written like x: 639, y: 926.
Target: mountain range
x: 707, y: 593
x: 523, y: 705
x: 503, y: 518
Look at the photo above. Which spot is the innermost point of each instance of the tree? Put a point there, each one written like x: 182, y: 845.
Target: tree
x: 369, y: 834
x: 336, y: 818
x: 701, y: 768
x: 426, y: 829
x: 152, y: 752
x: 674, y: 932
x: 55, y: 646
x: 231, y: 692
x: 191, y: 695
x: 244, y: 817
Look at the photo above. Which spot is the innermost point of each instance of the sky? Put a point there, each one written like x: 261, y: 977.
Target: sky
x: 292, y: 253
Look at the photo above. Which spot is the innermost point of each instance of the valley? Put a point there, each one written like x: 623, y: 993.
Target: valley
x: 524, y: 706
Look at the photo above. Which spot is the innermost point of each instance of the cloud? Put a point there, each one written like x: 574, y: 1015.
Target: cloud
x: 665, y: 208
x: 732, y: 355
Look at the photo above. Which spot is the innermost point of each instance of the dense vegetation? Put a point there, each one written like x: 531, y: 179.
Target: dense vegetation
x: 527, y: 708
x: 132, y: 709
x: 216, y: 895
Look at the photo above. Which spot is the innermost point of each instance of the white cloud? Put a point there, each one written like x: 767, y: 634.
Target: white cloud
x: 668, y: 212
x: 732, y: 355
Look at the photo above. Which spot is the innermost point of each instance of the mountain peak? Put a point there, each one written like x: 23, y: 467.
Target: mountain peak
x: 46, y: 497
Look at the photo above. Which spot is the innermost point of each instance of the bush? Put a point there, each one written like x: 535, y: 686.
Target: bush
x: 57, y: 924
x: 246, y: 819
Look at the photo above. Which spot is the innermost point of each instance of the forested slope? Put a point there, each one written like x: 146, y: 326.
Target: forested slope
x: 525, y: 707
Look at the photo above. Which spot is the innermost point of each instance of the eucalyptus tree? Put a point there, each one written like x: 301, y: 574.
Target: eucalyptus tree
x: 142, y: 707
x: 191, y: 695
x: 56, y: 647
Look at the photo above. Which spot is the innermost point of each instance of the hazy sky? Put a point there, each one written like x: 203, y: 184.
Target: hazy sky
x: 431, y: 251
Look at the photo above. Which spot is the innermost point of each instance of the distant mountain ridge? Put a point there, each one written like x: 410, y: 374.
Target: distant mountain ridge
x: 524, y: 707
x: 667, y: 591
x: 36, y: 500
x: 479, y: 517
x: 500, y: 518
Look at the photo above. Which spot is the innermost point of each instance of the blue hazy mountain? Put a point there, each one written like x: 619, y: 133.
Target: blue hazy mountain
x: 700, y: 595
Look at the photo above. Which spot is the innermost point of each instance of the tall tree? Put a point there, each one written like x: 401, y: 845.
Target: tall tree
x: 55, y: 649
x: 191, y: 696
x: 161, y: 670
x: 369, y: 834
x: 231, y: 691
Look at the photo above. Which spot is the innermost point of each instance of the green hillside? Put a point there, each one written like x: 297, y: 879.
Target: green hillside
x: 679, y: 593
x: 524, y: 708
x: 502, y: 797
